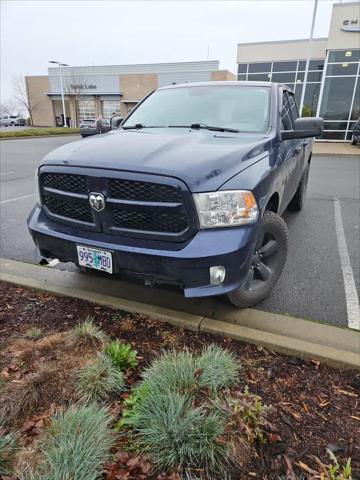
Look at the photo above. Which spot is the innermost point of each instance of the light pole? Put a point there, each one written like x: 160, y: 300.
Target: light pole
x: 61, y: 86
x: 308, y: 57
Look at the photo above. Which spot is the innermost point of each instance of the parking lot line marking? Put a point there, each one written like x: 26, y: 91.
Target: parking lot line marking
x: 16, y: 198
x: 352, y: 299
x: 6, y: 173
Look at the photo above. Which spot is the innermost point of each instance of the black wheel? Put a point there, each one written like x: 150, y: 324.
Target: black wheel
x: 267, y: 264
x: 353, y: 140
x: 297, y: 202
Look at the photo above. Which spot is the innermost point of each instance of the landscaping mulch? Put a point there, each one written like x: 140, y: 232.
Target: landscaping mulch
x: 314, y: 407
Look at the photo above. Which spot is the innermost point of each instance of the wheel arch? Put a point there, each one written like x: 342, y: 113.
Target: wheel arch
x: 273, y: 203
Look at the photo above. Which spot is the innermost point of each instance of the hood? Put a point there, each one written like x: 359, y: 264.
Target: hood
x: 202, y: 159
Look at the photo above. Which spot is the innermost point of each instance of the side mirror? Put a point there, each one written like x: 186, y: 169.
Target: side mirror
x: 116, y: 122
x: 304, y: 127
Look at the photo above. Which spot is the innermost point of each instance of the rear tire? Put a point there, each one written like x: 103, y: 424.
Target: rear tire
x: 297, y: 202
x: 267, y: 265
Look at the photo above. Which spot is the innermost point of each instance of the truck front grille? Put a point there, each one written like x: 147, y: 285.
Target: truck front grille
x: 151, y: 222
x: 68, y: 209
x: 133, y: 207
x: 65, y: 182
x: 142, y: 191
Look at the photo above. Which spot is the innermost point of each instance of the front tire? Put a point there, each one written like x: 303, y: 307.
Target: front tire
x: 268, y: 262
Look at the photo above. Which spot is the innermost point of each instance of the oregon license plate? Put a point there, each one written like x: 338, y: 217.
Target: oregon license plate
x: 95, y: 258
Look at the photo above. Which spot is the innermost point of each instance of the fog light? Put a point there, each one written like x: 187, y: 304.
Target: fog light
x: 217, y: 275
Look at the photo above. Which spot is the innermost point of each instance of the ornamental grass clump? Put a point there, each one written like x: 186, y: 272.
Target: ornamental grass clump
x: 98, y: 381
x: 219, y: 368
x: 76, y: 445
x: 173, y: 416
x: 121, y: 354
x: 87, y: 334
x: 8, y: 447
x: 214, y: 369
x: 175, y: 434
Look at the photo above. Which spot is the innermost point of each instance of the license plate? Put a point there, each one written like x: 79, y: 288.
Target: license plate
x: 95, y: 258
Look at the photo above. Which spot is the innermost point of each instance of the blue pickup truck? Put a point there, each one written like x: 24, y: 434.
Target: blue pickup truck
x: 188, y: 191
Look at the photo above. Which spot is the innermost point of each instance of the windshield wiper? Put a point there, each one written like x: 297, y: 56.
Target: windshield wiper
x: 195, y: 126
x: 139, y: 126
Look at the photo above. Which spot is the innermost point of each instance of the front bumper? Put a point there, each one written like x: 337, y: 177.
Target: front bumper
x: 187, y: 267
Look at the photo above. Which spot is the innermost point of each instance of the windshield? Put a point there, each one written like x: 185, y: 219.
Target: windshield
x: 237, y: 107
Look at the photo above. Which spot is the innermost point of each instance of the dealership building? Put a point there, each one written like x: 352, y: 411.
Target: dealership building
x: 332, y: 90
x: 102, y: 90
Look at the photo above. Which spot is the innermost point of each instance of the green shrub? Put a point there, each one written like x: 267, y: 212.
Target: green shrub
x: 8, y: 447
x: 131, y: 406
x: 77, y: 444
x: 88, y: 334
x: 98, y: 381
x: 121, y: 354
x: 246, y: 414
x: 176, y: 435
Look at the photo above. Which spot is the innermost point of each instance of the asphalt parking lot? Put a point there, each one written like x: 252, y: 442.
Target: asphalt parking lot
x: 322, y: 274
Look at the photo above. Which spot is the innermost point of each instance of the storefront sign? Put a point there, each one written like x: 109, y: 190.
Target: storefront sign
x: 83, y: 86
x: 351, y: 26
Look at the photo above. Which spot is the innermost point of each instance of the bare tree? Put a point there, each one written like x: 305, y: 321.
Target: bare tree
x: 21, y: 95
x: 9, y: 107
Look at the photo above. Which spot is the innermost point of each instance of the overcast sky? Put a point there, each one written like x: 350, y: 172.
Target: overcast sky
x: 92, y: 32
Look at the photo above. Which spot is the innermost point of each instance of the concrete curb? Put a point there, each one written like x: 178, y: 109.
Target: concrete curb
x: 334, y: 346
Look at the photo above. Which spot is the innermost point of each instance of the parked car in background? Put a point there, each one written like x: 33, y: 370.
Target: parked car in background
x: 12, y: 120
x: 189, y: 191
x: 88, y: 127
x: 5, y: 121
x: 17, y: 121
x: 355, y: 138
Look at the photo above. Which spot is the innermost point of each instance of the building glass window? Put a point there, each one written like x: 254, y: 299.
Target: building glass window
x: 341, y: 95
x: 330, y: 135
x: 260, y: 67
x: 110, y: 106
x: 351, y: 55
x: 311, y: 99
x: 355, y: 112
x: 316, y: 65
x: 259, y: 77
x: 242, y: 76
x: 343, y: 69
x: 283, y: 77
x: 242, y: 68
x: 314, y: 76
x: 337, y: 96
x: 284, y: 66
x: 86, y: 109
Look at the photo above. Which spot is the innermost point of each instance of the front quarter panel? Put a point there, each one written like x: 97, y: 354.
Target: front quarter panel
x: 261, y: 178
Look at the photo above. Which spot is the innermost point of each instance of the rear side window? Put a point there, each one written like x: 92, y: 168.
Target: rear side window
x: 286, y: 120
x: 293, y: 107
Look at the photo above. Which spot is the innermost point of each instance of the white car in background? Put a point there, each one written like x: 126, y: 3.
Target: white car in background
x: 11, y: 120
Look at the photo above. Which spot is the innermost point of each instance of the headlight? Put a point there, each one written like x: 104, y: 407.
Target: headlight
x: 228, y: 208
x: 36, y: 187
